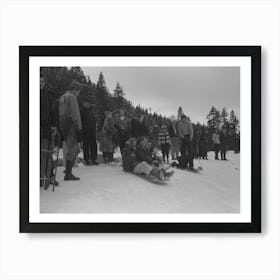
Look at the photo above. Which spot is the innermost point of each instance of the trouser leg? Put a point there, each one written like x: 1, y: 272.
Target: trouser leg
x: 190, y: 153
x: 216, y: 151
x: 183, y: 147
x: 86, y: 148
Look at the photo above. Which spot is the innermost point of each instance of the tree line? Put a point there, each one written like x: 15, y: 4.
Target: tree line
x: 97, y: 93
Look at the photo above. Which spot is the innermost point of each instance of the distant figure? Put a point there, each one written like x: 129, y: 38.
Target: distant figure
x: 174, y: 137
x: 237, y: 143
x: 185, y: 130
x: 138, y: 127
x: 216, y: 141
x: 195, y: 142
x: 89, y: 133
x: 224, y: 142
x: 71, y: 125
x: 203, y: 145
x: 107, y: 142
x: 154, y: 137
x: 123, y: 129
x: 164, y: 143
x: 180, y: 114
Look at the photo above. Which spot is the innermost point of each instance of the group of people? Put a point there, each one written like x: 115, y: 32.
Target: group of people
x: 74, y: 117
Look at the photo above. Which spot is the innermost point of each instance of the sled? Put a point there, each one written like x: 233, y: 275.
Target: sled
x: 194, y: 170
x: 152, y: 179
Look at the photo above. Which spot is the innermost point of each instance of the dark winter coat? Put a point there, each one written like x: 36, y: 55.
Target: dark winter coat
x: 223, y: 138
x: 154, y: 137
x: 143, y: 155
x: 138, y: 129
x: 173, y: 130
x: 88, y: 122
x: 49, y: 115
x: 123, y: 130
x: 129, y: 160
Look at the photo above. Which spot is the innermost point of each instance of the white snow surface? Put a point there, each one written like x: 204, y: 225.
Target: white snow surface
x: 108, y: 189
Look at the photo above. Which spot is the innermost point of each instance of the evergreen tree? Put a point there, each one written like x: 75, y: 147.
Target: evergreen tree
x: 224, y: 117
x: 118, y: 91
x: 212, y: 119
x: 119, y: 97
x: 233, y: 123
x: 103, y: 100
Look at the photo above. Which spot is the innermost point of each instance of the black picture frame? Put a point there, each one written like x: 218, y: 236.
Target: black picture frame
x: 25, y: 52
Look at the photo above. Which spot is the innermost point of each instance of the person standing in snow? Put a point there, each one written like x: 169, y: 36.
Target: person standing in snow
x: 185, y: 130
x: 203, y: 145
x: 175, y: 142
x: 216, y: 141
x: 107, y: 142
x: 164, y: 142
x: 180, y: 114
x: 195, y: 142
x: 123, y: 132
x: 154, y: 137
x: 49, y: 120
x: 224, y: 142
x: 71, y: 125
x: 89, y: 133
x: 138, y: 127
x: 144, y: 161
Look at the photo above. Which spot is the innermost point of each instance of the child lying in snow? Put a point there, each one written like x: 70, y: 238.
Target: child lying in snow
x: 137, y: 158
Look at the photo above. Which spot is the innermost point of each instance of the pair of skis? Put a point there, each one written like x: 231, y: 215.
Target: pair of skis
x: 52, y: 156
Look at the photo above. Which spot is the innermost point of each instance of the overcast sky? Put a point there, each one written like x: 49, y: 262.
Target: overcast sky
x: 164, y: 89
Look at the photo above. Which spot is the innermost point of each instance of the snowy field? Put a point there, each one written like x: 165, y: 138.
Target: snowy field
x: 108, y: 189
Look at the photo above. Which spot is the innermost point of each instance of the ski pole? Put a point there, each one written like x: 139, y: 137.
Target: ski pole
x: 56, y: 161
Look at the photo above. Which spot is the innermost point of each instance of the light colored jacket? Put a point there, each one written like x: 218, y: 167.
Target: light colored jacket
x: 216, y: 138
x: 69, y: 109
x: 185, y: 127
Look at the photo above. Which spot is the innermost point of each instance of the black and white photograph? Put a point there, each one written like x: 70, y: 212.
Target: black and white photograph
x: 131, y: 135
x: 140, y: 139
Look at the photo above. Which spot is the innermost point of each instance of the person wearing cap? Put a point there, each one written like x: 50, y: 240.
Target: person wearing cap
x: 164, y: 142
x: 185, y: 131
x: 71, y: 125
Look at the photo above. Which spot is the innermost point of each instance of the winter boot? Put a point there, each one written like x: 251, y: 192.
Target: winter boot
x: 68, y: 175
x: 156, y: 173
x: 168, y: 174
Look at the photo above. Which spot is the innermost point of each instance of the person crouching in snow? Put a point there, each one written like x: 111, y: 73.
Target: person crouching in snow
x: 164, y: 142
x: 138, y: 159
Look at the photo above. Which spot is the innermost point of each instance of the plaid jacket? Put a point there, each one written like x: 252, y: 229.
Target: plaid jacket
x: 163, y: 138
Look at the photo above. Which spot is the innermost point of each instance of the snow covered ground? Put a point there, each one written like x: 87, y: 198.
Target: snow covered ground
x: 108, y: 189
